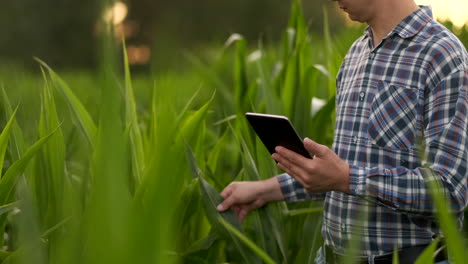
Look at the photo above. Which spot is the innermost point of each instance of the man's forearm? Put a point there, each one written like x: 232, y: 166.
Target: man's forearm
x: 271, y: 190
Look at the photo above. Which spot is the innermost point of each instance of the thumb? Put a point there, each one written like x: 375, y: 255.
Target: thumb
x: 314, y: 148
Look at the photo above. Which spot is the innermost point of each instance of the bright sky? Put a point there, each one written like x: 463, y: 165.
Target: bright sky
x: 455, y: 10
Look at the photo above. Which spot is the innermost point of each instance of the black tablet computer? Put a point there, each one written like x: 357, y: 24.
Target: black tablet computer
x: 276, y: 130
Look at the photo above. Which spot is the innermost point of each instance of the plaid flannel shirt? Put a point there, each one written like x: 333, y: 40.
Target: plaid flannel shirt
x: 411, y: 86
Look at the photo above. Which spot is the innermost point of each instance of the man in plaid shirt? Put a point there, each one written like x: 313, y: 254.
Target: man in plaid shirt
x: 401, y: 91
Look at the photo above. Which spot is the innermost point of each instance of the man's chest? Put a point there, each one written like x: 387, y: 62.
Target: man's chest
x: 380, y: 96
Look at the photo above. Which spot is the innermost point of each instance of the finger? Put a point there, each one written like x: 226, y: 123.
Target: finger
x: 293, y: 169
x: 291, y: 156
x: 314, y: 148
x: 295, y: 172
x: 236, y: 210
x: 285, y: 167
x: 247, y: 208
x: 227, y: 203
x: 228, y: 190
x: 242, y: 214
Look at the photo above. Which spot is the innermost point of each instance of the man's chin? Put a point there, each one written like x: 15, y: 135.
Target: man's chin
x: 354, y: 18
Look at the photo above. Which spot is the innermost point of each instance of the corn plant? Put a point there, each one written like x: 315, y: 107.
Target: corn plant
x: 111, y: 177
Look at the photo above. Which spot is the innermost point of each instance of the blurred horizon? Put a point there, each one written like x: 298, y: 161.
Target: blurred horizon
x: 157, y: 33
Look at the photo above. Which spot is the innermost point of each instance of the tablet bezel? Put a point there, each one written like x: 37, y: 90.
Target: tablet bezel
x: 276, y: 130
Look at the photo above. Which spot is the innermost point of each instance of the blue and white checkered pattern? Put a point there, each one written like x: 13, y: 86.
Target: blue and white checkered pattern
x: 410, y: 88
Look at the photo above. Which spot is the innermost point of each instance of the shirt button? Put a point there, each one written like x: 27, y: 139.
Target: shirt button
x: 355, y: 138
x: 343, y: 227
x: 371, y: 55
x: 362, y: 95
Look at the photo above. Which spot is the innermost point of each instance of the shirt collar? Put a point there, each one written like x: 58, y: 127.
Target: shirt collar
x: 411, y: 25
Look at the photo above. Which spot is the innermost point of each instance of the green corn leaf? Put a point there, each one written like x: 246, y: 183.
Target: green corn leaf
x: 4, y: 254
x: 242, y: 129
x: 211, y: 199
x: 297, y: 29
x: 266, y: 87
x: 427, y: 257
x: 202, y: 244
x: 266, y: 164
x: 84, y: 118
x: 297, y: 22
x: 297, y: 212
x: 50, y: 178
x: 312, y: 228
x: 17, y: 144
x: 248, y: 161
x: 333, y: 58
x: 8, y: 181
x: 194, y: 170
x: 218, y: 182
x: 290, y: 85
x: 252, y: 174
x: 395, y: 256
x: 192, y: 130
x: 271, y: 214
x: 264, y: 256
x: 8, y: 207
x: 187, y: 105
x: 55, y: 227
x: 215, y: 154
x: 289, y: 38
x: 212, y: 77
x: 322, y: 69
x: 258, y: 219
x: 136, y: 139
x: 4, y: 136
x: 241, y: 86
x: 192, y: 123
x: 189, y: 205
x: 303, y: 93
x: 447, y: 222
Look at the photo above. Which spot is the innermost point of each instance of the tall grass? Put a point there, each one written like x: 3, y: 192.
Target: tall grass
x: 129, y: 171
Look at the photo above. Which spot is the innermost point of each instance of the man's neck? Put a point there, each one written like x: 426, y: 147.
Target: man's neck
x: 388, y: 16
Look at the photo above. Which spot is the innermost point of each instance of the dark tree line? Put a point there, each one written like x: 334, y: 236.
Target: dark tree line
x: 63, y: 32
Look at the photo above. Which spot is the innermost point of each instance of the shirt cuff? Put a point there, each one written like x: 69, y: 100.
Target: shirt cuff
x: 294, y: 191
x: 357, y: 180
x: 287, y: 187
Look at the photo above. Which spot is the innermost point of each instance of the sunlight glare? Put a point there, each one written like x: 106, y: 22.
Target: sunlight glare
x: 454, y: 10
x: 117, y: 13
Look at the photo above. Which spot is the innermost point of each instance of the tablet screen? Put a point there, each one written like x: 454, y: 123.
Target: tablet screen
x: 276, y: 130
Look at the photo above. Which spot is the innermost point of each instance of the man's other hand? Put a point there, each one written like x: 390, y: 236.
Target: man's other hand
x: 325, y: 172
x: 243, y: 197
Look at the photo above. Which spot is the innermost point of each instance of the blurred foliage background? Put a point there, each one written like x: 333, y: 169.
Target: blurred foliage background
x: 64, y: 32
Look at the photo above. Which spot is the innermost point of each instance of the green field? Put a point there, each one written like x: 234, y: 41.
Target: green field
x: 106, y: 167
